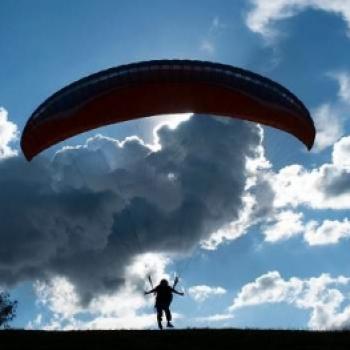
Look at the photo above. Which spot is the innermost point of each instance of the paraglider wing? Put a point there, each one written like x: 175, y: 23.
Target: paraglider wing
x: 162, y: 87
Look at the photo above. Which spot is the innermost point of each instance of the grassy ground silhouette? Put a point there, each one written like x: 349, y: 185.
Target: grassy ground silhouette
x: 213, y: 339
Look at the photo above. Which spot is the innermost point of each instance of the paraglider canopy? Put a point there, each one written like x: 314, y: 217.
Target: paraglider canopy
x: 163, y: 87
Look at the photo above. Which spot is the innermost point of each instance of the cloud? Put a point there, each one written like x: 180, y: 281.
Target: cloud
x: 86, y: 214
x: 328, y: 188
x: 343, y: 79
x: 328, y: 232
x: 59, y: 295
x: 268, y: 288
x: 214, y: 318
x: 275, y: 200
x: 286, y: 225
x: 321, y: 295
x: 202, y: 292
x: 128, y: 322
x: 235, y: 229
x: 330, y: 117
x: 341, y: 151
x: 8, y: 134
x: 208, y: 43
x: 122, y: 309
x: 328, y: 185
x: 264, y: 13
x: 207, y: 46
x: 329, y: 126
x: 36, y: 323
x: 256, y: 200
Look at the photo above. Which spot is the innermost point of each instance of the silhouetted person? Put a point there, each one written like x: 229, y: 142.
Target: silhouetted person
x: 164, y: 297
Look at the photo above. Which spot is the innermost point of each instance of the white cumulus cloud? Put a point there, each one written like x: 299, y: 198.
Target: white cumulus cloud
x: 202, y: 292
x: 328, y: 186
x: 325, y: 187
x: 322, y: 295
x: 341, y: 152
x: 328, y: 232
x: 8, y: 134
x: 286, y: 225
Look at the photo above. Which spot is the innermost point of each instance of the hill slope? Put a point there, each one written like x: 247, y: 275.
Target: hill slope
x: 175, y: 339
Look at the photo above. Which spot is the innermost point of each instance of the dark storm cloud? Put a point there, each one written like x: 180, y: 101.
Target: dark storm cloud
x: 89, y: 211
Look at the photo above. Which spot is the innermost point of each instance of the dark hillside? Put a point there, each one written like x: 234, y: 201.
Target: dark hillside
x: 175, y: 339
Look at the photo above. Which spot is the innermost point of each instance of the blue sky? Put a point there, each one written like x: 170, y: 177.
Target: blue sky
x: 279, y: 259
